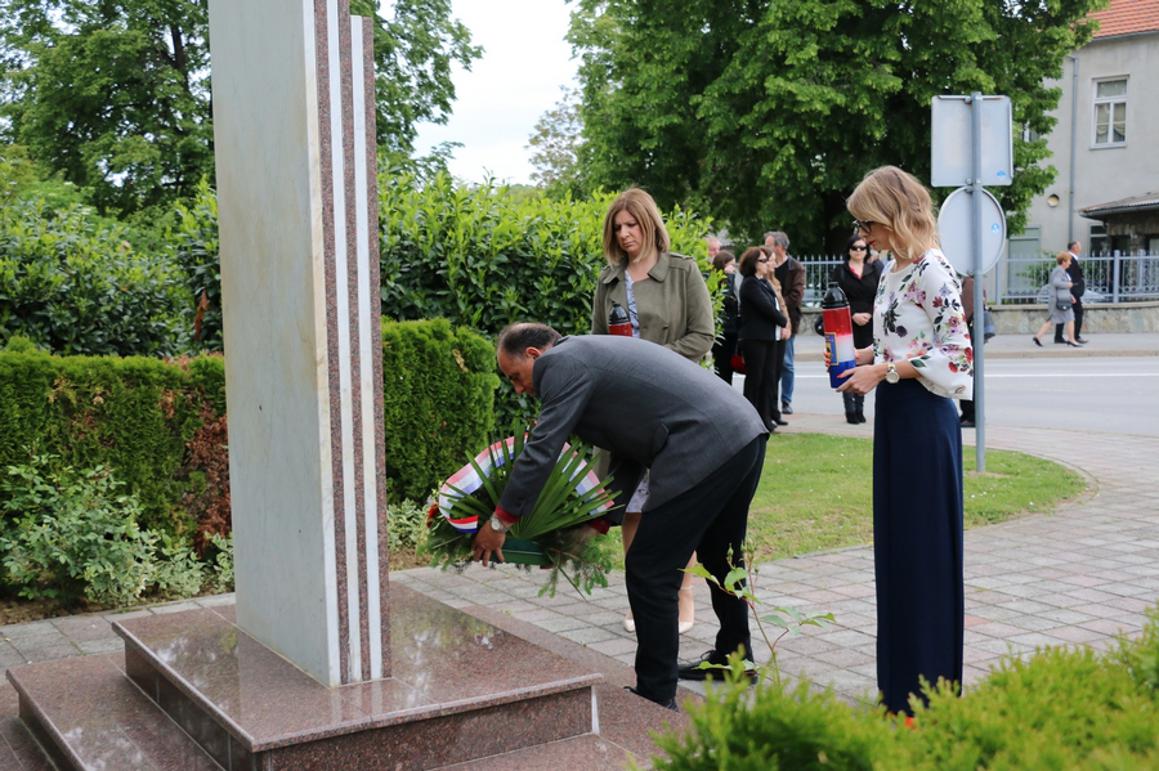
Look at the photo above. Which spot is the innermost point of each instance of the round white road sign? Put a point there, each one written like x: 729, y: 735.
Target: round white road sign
x: 955, y: 222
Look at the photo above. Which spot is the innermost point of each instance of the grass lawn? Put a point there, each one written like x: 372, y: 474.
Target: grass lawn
x: 816, y: 493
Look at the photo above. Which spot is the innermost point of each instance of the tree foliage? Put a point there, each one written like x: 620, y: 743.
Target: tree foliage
x: 766, y: 113
x: 115, y: 94
x: 555, y: 145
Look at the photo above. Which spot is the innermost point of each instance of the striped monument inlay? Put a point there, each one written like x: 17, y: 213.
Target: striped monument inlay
x: 345, y: 85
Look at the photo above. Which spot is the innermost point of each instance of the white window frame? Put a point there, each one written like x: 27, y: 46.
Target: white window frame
x: 1110, y: 101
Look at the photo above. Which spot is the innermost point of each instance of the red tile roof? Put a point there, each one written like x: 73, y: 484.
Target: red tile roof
x: 1127, y: 17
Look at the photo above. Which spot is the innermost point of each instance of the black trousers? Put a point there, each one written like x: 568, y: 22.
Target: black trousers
x: 1078, y: 323
x: 762, y: 360
x: 711, y: 518
x: 722, y: 351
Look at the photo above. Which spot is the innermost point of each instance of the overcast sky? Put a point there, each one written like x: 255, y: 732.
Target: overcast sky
x: 525, y: 62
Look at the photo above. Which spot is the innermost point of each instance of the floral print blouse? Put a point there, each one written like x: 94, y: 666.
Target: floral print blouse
x: 918, y: 315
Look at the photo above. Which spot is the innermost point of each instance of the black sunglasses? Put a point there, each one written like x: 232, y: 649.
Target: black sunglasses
x: 860, y: 226
x: 858, y: 248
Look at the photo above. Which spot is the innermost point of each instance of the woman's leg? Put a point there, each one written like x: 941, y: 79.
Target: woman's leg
x: 1069, y: 329
x: 686, y: 601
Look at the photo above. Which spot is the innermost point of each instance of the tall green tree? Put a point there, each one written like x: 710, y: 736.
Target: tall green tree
x: 114, y: 94
x: 766, y: 113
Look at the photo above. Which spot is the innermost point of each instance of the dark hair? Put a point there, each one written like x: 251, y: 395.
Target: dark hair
x: 517, y: 338
x: 852, y: 240
x: 1071, y: 245
x: 722, y: 258
x: 748, y: 260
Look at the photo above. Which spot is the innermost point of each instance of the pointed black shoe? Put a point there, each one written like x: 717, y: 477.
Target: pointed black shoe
x: 670, y: 704
x: 693, y: 671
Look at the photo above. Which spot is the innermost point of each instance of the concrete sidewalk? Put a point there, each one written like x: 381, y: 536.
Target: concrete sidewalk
x: 1080, y: 575
x: 810, y: 346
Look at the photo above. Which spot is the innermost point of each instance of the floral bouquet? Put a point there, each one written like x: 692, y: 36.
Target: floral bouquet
x: 554, y: 535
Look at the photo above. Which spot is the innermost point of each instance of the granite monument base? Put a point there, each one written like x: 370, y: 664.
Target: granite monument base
x: 195, y: 691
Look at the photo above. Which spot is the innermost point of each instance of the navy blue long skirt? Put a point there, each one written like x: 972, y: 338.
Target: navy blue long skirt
x: 917, y: 540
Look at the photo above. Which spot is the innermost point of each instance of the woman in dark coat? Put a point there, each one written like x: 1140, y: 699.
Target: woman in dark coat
x: 760, y: 320
x: 858, y: 279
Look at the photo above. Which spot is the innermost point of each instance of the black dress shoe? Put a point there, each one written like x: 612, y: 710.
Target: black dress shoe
x: 1037, y: 341
x: 1060, y: 342
x: 967, y: 424
x: 851, y: 417
x: 781, y: 422
x: 786, y: 408
x: 860, y: 417
x: 693, y: 670
x: 670, y: 704
x: 1082, y: 340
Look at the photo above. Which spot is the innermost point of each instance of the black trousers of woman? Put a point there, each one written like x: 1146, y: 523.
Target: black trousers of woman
x: 917, y: 540
x: 761, y: 359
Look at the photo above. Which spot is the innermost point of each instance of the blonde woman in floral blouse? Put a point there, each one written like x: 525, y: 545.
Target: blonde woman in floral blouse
x: 921, y: 359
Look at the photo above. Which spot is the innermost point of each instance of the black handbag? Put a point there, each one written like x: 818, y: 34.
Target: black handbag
x: 1062, y: 305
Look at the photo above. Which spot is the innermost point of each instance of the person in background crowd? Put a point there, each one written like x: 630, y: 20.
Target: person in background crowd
x: 712, y: 245
x: 761, y: 318
x: 968, y: 284
x: 624, y: 393
x: 724, y: 348
x: 1061, y: 302
x: 920, y: 361
x: 668, y: 303
x: 1078, y: 288
x: 791, y: 275
x: 858, y: 279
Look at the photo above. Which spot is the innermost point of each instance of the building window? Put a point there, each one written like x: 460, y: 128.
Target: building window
x: 1099, y: 245
x: 1110, y: 112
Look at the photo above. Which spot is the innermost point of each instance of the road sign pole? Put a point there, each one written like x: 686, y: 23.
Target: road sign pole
x: 979, y: 304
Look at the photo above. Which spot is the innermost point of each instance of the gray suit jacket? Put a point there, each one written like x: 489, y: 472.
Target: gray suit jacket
x: 650, y: 407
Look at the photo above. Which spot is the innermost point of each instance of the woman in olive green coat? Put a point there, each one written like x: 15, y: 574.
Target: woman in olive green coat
x: 667, y: 303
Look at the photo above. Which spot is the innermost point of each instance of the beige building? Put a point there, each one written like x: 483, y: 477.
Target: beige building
x: 1105, y: 145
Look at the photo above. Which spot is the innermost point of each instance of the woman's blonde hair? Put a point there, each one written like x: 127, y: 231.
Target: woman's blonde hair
x: 644, y: 210
x: 897, y: 200
x: 1062, y: 258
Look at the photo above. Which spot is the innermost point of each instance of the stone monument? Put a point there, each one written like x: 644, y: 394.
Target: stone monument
x: 318, y: 665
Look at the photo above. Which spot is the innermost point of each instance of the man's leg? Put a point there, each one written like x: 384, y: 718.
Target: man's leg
x: 1058, y: 334
x: 1078, y: 319
x: 710, y: 516
x: 787, y: 374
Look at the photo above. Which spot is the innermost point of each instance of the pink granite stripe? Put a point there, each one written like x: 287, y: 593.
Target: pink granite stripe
x: 345, y: 54
x: 322, y: 30
x: 383, y: 545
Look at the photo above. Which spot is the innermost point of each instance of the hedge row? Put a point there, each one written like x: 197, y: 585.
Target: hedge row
x: 160, y: 428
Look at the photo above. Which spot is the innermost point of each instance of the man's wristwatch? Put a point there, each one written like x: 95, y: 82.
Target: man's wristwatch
x: 497, y: 524
x: 891, y: 374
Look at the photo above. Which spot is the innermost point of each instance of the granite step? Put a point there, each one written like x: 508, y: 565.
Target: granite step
x: 87, y: 714
x: 580, y: 753
x: 19, y: 750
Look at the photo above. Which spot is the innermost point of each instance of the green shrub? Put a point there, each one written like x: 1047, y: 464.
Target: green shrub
x: 135, y: 416
x: 71, y: 281
x: 160, y: 426
x: 220, y: 568
x: 486, y: 256
x: 1063, y: 708
x: 74, y: 535
x: 407, y: 524
x: 438, y: 401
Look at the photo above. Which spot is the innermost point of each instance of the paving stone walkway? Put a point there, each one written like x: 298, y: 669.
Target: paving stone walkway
x: 1080, y: 575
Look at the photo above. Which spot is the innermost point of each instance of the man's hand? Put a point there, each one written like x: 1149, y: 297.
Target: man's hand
x: 489, y: 543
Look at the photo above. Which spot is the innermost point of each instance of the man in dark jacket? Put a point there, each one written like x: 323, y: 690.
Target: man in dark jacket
x: 791, y: 275
x: 1077, y: 288
x: 652, y: 409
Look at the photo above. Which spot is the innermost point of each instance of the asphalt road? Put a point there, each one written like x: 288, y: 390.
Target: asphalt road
x: 1114, y: 394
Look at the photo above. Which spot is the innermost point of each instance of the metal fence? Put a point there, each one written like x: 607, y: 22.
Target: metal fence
x: 1109, y: 278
